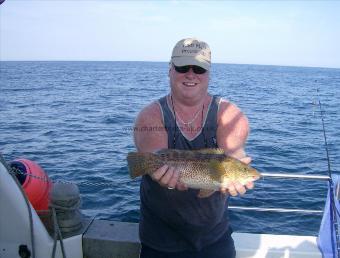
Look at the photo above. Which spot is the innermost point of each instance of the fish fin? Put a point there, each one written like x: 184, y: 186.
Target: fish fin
x: 204, y: 193
x: 210, y: 151
x: 140, y: 163
x: 217, y: 170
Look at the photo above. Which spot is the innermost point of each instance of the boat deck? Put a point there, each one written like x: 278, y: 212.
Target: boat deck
x: 120, y: 239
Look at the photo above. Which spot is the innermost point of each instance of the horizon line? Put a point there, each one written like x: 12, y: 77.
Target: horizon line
x: 60, y: 60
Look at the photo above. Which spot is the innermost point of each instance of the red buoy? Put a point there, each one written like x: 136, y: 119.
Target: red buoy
x: 34, y: 181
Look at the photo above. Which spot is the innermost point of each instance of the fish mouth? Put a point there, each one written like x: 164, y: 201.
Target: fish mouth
x: 256, y: 177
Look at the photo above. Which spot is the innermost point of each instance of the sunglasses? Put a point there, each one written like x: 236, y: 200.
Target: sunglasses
x: 186, y: 68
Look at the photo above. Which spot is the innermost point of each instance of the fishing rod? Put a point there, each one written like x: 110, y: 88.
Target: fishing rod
x: 334, y: 212
x: 325, y: 139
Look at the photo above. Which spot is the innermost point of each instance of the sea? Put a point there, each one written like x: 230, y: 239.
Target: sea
x: 75, y: 119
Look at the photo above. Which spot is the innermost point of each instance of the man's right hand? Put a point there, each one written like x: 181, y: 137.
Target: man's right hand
x: 168, y: 176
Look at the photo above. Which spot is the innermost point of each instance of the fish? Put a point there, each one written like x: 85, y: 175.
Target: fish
x: 206, y: 169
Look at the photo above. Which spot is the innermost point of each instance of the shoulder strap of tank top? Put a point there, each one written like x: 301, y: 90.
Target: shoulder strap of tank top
x: 210, y: 125
x: 167, y: 116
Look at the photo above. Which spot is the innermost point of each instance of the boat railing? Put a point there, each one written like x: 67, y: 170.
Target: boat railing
x: 284, y: 210
x: 231, y: 207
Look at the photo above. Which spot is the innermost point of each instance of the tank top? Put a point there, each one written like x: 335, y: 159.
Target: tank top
x: 172, y: 220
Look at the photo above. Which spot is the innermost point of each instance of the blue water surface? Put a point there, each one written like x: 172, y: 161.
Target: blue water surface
x: 76, y: 120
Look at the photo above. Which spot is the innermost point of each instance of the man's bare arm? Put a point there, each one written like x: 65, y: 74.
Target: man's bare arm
x: 149, y: 131
x: 232, y: 133
x: 149, y: 136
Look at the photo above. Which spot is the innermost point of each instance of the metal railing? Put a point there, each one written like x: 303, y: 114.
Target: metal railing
x: 284, y: 210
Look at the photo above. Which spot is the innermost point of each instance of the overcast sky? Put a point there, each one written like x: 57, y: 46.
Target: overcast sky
x: 297, y: 33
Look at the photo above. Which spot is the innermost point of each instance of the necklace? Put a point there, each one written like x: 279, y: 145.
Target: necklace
x: 180, y: 119
x: 174, y: 135
x: 189, y: 122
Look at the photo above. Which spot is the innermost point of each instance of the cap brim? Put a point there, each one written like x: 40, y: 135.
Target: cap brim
x: 187, y: 60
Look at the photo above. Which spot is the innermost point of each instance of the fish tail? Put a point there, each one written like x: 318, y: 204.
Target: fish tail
x: 141, y: 163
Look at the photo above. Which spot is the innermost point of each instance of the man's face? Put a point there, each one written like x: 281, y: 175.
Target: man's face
x: 188, y: 86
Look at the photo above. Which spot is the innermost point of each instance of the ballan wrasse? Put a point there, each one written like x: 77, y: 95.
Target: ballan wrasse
x: 205, y: 169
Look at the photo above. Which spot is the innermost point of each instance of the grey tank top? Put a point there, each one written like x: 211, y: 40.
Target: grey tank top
x: 172, y: 220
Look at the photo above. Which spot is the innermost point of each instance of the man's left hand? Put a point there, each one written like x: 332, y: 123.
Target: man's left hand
x: 235, y: 188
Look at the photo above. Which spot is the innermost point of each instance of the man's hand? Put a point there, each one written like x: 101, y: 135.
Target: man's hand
x: 235, y: 188
x: 168, y: 177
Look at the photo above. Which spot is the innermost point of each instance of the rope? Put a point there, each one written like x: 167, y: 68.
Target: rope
x: 16, y: 171
x: 57, y: 234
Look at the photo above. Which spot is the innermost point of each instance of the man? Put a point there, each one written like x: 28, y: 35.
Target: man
x: 174, y: 221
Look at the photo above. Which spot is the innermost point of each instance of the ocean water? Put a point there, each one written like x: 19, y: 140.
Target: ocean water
x: 75, y: 119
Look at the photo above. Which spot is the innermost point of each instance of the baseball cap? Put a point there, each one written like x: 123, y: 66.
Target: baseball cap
x: 191, y: 51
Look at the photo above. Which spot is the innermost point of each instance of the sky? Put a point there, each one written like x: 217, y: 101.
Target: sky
x: 292, y: 33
